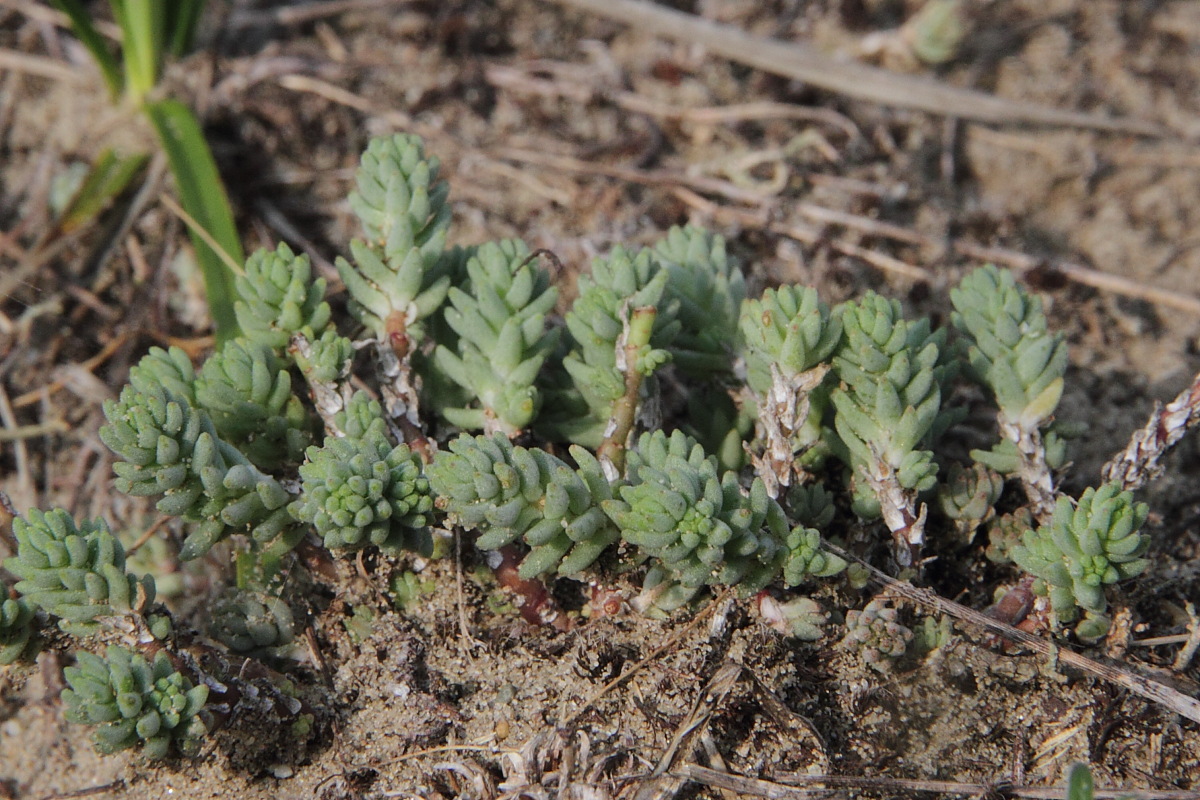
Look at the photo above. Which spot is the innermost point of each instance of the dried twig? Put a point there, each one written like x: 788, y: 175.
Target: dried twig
x: 852, y: 79
x: 40, y: 66
x: 659, y: 783
x: 657, y: 177
x: 1139, y: 463
x: 1152, y: 690
x: 577, y: 87
x: 783, y: 790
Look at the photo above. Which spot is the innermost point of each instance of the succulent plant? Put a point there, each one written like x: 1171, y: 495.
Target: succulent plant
x: 968, y: 497
x: 134, y: 701
x: 510, y: 493
x: 18, y: 631
x: 365, y: 491
x: 709, y: 287
x: 801, y: 617
x: 1013, y: 353
x: 720, y: 423
x: 168, y: 447
x: 252, y: 622
x: 832, y: 408
x: 76, y: 573
x: 810, y: 505
x: 170, y: 369
x: 280, y: 297
x: 502, y: 339
x: 247, y: 391
x: 394, y: 280
x: 806, y: 559
x: 877, y: 634
x: 701, y: 527
x: 788, y: 337
x: 888, y: 408
x: 1005, y: 532
x: 1083, y: 548
x: 599, y: 323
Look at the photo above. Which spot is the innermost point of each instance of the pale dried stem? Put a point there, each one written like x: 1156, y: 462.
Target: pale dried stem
x: 783, y: 412
x: 329, y: 397
x: 1140, y: 461
x: 800, y: 62
x: 786, y: 789
x: 901, y: 513
x: 1033, y: 471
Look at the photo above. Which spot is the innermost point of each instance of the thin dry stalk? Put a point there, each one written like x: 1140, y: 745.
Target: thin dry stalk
x: 1152, y: 690
x: 799, y: 62
x: 1140, y: 461
x: 783, y: 790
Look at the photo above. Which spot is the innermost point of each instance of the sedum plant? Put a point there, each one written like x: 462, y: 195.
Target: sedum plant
x: 1083, y: 548
x: 252, y: 623
x: 789, y: 336
x: 584, y: 466
x: 1013, y: 353
x: 709, y: 287
x: 877, y: 634
x: 18, y: 635
x: 510, y: 493
x: 619, y: 331
x: 500, y: 321
x: 134, y: 701
x: 247, y: 391
x: 75, y: 573
x: 279, y: 297
x: 365, y: 491
x: 888, y: 409
x: 171, y: 448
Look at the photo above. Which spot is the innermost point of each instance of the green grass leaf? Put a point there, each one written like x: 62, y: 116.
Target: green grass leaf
x: 81, y: 25
x: 182, y: 17
x: 142, y: 24
x: 203, y: 198
x: 107, y: 179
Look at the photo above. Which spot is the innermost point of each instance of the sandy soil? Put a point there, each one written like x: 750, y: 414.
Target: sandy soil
x: 528, y: 105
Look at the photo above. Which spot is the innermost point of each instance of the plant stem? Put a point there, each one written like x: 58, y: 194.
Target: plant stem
x: 632, y: 341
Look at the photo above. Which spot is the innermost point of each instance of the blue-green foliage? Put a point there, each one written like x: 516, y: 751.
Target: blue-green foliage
x: 135, y: 701
x: 1011, y: 349
x: 169, y: 448
x: 397, y: 272
x: 790, y: 328
x: 247, y: 391
x: 279, y: 297
x: 1085, y: 547
x: 511, y: 493
x: 18, y: 631
x: 501, y: 339
x: 709, y: 287
x: 76, y: 573
x: 699, y: 526
x: 616, y: 285
x: 252, y: 623
x: 365, y: 491
x: 889, y: 402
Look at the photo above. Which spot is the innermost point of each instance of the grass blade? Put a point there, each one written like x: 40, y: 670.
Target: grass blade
x: 107, y: 179
x: 182, y: 17
x: 85, y: 31
x: 141, y: 23
x: 203, y: 197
